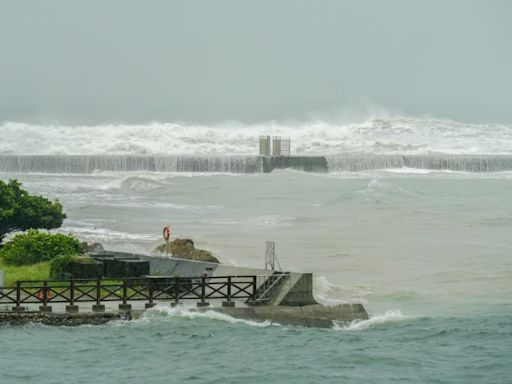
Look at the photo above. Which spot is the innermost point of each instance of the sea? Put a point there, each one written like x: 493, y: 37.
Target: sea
x: 426, y: 249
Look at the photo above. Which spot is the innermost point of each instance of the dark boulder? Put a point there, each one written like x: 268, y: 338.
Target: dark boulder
x: 185, y: 249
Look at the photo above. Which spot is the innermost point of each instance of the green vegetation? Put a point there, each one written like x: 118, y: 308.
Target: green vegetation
x: 20, y: 211
x: 39, y: 271
x: 36, y: 247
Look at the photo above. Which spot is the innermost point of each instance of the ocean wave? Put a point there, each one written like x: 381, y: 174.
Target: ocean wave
x: 400, y: 135
x: 331, y: 294
x: 190, y: 313
x: 104, y: 234
x: 392, y: 316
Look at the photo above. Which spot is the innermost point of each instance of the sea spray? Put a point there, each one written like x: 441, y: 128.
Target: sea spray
x: 330, y: 294
x: 400, y: 135
x: 191, y: 313
x: 391, y: 316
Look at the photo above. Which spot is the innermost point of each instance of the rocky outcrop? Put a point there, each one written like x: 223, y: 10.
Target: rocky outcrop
x: 185, y: 249
x: 86, y: 248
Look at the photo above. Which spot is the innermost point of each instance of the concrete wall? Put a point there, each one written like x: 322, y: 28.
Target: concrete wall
x: 171, y: 266
x: 296, y: 291
x: 306, y: 316
x: 301, y: 163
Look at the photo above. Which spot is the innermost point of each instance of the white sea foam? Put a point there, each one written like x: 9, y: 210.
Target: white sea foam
x: 328, y: 293
x: 191, y: 313
x: 400, y: 135
x: 101, y: 233
x: 392, y: 316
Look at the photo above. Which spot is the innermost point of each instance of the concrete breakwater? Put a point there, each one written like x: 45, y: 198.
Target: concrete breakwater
x: 244, y: 293
x: 317, y: 316
x: 83, y: 164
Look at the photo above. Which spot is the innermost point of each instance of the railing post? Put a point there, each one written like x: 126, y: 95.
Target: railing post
x: 18, y: 294
x: 98, y: 292
x: 150, y: 304
x: 45, y: 293
x: 254, y: 288
x: 228, y: 302
x: 71, y: 292
x: 45, y: 298
x: 203, y: 303
x: 72, y: 308
x: 125, y: 292
x: 124, y: 306
x: 229, y: 289
x: 98, y: 307
x: 203, y: 288
x: 176, y: 290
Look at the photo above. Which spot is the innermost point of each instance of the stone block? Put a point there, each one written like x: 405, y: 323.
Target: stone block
x: 203, y: 304
x: 228, y: 303
x: 45, y: 308
x: 135, y: 268
x: 71, y: 308
x: 125, y: 307
x: 86, y: 270
x: 98, y: 308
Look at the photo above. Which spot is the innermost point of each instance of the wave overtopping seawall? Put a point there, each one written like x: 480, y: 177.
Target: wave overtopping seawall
x: 83, y: 164
x: 399, y: 135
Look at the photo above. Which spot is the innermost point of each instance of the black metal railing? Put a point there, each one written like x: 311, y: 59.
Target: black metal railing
x: 150, y: 289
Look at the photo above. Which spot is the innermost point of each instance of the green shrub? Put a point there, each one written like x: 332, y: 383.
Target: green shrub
x: 19, y: 210
x: 61, y: 265
x: 35, y: 247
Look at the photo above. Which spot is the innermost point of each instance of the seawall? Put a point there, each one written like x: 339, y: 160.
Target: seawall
x: 318, y: 316
x: 84, y: 164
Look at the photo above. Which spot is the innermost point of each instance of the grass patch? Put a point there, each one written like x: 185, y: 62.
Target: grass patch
x: 39, y: 271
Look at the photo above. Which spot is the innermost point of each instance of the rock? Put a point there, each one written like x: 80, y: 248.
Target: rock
x: 202, y: 255
x: 91, y: 248
x: 185, y: 249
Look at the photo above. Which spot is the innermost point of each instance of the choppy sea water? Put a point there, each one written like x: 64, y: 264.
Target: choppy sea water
x: 176, y: 348
x: 428, y: 253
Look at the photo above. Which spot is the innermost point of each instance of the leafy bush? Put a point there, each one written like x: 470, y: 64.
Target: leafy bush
x: 35, y: 247
x: 21, y: 211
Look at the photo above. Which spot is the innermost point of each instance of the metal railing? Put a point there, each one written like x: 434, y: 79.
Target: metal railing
x: 266, y: 291
x: 150, y: 289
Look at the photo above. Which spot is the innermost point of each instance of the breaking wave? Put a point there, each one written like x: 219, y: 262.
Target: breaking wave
x: 393, y: 316
x: 189, y: 313
x: 389, y: 136
x: 333, y: 294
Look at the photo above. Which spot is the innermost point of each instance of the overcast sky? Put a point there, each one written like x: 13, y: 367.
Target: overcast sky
x: 208, y: 61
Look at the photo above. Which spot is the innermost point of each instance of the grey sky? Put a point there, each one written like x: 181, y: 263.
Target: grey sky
x: 208, y: 61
